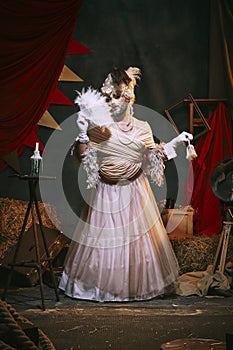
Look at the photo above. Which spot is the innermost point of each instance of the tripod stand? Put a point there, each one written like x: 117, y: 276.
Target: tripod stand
x: 33, y: 208
x: 223, y: 245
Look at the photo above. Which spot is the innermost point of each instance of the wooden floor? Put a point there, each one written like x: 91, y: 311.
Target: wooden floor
x: 75, y: 324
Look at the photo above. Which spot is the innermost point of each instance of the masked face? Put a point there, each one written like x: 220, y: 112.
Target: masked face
x: 118, y: 107
x: 119, y: 85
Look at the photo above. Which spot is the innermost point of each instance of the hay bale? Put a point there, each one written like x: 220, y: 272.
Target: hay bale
x: 12, y: 213
x: 196, y: 253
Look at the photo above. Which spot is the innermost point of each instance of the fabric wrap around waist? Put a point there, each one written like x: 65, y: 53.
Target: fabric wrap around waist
x: 120, y: 181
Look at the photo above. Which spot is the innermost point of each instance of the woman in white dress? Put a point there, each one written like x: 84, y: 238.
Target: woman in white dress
x: 120, y: 250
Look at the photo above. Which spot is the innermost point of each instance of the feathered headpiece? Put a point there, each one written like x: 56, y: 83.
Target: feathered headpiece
x: 93, y: 107
x: 121, y: 83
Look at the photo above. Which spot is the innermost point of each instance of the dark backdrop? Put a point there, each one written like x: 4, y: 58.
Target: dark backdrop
x: 168, y: 40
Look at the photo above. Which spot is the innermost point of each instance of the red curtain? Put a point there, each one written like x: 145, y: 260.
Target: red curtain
x: 35, y: 36
x: 211, y: 148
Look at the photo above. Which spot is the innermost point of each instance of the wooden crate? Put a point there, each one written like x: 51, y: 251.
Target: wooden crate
x: 23, y: 275
x: 178, y: 222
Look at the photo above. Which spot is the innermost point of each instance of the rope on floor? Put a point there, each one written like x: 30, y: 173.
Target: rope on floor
x: 11, y: 318
x: 4, y: 346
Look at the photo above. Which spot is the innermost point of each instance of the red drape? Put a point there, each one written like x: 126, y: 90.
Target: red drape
x: 35, y: 36
x: 211, y: 149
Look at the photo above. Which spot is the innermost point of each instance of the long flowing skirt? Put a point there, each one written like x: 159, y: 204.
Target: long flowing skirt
x: 120, y: 250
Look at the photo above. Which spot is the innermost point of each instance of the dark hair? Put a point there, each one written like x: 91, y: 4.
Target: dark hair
x: 120, y: 76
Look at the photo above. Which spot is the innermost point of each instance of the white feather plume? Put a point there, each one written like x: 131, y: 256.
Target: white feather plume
x: 93, y: 107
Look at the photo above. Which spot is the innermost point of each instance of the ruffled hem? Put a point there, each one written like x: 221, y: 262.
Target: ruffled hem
x: 139, y: 271
x: 123, y: 252
x: 77, y: 290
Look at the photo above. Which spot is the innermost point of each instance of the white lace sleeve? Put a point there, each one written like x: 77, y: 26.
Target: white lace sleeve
x: 91, y: 166
x: 156, y: 164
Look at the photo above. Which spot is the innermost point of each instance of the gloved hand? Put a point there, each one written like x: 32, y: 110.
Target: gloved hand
x: 170, y: 147
x: 82, y: 124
